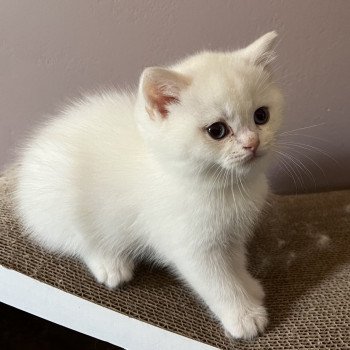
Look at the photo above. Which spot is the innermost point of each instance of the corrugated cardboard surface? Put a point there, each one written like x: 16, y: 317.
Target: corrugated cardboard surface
x: 301, y: 253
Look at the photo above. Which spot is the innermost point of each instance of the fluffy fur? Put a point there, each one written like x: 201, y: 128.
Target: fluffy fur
x: 117, y: 175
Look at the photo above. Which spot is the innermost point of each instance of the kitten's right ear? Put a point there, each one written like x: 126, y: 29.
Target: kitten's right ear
x: 161, y: 88
x: 261, y: 51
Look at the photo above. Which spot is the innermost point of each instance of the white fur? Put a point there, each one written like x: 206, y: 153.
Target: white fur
x: 113, y: 178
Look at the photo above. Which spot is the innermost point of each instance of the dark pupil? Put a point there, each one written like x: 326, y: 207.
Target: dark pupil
x: 217, y: 131
x: 261, y: 115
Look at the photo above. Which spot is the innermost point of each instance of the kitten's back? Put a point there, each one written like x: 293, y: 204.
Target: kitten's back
x: 59, y: 165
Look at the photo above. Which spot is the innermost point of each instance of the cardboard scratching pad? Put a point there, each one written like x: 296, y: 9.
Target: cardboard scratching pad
x: 301, y: 253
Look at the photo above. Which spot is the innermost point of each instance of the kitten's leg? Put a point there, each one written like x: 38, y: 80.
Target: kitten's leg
x: 111, y: 271
x: 252, y: 284
x: 220, y: 277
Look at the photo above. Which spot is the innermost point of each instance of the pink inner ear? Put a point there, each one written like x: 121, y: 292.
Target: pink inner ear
x: 162, y: 102
x: 161, y: 88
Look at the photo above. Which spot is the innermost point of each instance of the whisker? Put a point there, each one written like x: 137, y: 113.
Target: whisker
x: 222, y: 192
x: 305, y: 135
x: 309, y: 158
x: 303, y: 128
x: 286, y: 167
x: 310, y: 148
x: 216, y: 173
x: 296, y: 170
x: 234, y: 198
x: 297, y: 161
x: 239, y: 181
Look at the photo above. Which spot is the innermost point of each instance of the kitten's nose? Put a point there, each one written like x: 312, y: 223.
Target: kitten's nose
x: 252, y: 144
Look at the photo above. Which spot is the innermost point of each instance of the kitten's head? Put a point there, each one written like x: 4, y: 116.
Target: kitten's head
x: 213, y: 110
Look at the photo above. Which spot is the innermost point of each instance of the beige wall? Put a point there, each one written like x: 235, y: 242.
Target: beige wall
x: 52, y: 49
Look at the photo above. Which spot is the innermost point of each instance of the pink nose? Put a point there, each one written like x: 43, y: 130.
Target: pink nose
x: 252, y: 144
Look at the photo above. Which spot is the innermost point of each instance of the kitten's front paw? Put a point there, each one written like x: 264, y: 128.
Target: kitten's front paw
x: 111, y: 272
x: 246, y: 323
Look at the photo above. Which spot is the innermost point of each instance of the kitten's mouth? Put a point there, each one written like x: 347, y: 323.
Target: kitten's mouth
x: 249, y: 159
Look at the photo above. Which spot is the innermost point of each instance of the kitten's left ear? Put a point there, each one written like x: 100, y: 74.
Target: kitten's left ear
x: 261, y: 52
x: 161, y: 87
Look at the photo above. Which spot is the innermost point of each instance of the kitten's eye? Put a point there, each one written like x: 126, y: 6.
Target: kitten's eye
x: 261, y: 116
x: 217, y: 130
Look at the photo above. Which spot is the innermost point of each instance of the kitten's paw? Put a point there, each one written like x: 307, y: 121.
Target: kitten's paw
x: 111, y: 272
x: 246, y: 323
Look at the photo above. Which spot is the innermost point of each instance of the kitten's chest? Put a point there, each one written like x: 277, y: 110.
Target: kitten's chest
x: 228, y: 207
x: 223, y: 213
x: 181, y: 214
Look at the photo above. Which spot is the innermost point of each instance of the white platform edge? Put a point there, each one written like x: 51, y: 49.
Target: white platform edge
x: 55, y: 305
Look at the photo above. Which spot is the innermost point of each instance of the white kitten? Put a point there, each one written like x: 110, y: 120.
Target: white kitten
x: 177, y: 170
